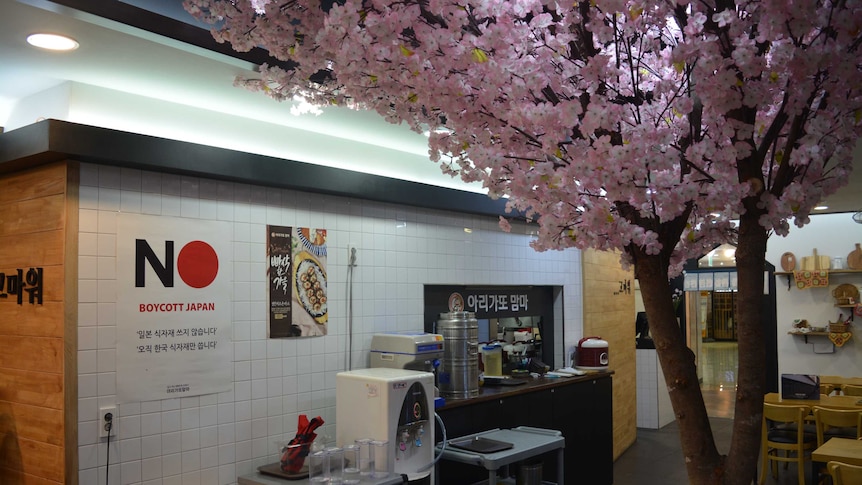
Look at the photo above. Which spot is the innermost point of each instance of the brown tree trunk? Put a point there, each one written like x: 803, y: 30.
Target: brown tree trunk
x: 751, y: 373
x: 703, y: 462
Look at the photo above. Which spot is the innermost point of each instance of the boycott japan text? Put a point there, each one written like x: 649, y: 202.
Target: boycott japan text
x: 176, y: 307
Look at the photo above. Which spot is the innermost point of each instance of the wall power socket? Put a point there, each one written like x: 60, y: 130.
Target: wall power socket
x: 108, y: 415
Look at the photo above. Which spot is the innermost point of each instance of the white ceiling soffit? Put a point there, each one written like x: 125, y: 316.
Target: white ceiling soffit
x: 129, y: 79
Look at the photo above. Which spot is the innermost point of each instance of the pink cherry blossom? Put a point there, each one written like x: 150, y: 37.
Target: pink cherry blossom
x: 643, y: 127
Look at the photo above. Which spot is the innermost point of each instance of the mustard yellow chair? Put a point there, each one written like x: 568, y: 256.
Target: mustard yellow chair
x: 851, y: 390
x: 826, y: 389
x: 843, y: 423
x: 783, y: 429
x: 844, y: 474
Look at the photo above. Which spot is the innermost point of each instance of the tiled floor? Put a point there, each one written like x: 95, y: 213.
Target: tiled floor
x: 718, y: 370
x: 656, y: 458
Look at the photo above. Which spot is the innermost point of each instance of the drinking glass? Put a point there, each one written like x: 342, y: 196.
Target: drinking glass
x: 366, y: 457
x: 318, y: 467
x: 351, y: 465
x: 335, y: 456
x: 381, y: 458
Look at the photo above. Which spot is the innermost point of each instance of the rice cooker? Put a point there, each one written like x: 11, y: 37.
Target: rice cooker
x: 592, y: 354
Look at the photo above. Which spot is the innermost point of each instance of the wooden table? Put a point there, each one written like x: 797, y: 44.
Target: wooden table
x: 832, y: 402
x: 845, y: 450
x: 839, y: 382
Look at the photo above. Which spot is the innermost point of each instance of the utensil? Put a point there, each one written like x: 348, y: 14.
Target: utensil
x: 854, y: 259
x: 788, y: 261
x: 846, y: 294
x: 815, y: 262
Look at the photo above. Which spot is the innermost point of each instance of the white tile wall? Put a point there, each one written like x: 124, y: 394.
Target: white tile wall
x: 215, y: 438
x: 653, y: 402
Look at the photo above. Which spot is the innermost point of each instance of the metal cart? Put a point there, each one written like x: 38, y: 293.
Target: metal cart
x: 527, y: 442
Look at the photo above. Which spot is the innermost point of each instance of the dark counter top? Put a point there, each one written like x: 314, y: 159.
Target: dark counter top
x: 490, y: 392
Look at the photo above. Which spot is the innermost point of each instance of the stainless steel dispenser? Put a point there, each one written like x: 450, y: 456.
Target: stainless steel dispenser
x: 458, y: 376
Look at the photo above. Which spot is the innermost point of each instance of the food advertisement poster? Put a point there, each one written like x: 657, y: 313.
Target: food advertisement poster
x: 297, y: 281
x: 173, y: 310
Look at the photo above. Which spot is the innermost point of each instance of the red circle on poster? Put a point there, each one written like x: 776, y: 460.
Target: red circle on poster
x: 197, y: 264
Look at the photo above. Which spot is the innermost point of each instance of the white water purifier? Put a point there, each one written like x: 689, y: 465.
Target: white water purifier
x: 394, y: 405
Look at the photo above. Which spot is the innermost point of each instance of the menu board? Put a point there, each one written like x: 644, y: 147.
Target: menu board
x: 690, y: 282
x: 721, y: 281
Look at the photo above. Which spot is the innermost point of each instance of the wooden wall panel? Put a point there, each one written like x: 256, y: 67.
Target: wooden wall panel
x: 70, y: 324
x: 41, y: 354
x: 43, y: 321
x: 38, y: 182
x: 20, y: 478
x: 38, y: 364
x: 609, y: 312
x: 32, y: 250
x: 38, y: 423
x: 33, y: 215
x: 37, y: 457
x: 33, y: 388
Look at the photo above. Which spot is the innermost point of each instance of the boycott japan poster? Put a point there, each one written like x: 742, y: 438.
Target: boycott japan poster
x: 296, y: 275
x: 173, y: 307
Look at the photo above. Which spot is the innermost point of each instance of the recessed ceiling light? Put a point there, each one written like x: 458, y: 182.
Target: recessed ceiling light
x: 821, y: 207
x: 52, y: 42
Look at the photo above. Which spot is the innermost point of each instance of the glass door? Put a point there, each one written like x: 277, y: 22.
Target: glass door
x: 721, y: 325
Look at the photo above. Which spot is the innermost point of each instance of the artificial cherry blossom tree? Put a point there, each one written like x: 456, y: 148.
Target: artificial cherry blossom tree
x: 645, y: 127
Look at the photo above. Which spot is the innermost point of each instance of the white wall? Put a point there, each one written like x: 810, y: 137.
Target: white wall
x: 213, y: 439
x: 833, y: 235
x: 654, y: 409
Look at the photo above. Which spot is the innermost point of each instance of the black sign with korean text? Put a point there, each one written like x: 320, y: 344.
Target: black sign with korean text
x: 490, y: 301
x: 279, y: 256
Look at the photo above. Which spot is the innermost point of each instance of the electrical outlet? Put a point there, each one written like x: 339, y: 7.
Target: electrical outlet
x: 108, y: 414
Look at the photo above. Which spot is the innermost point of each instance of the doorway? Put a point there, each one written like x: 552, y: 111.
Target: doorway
x: 720, y: 326
x: 719, y: 368
x: 711, y: 336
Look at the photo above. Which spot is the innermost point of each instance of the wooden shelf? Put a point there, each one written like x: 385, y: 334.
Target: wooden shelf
x: 831, y: 271
x: 816, y: 334
x: 789, y: 275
